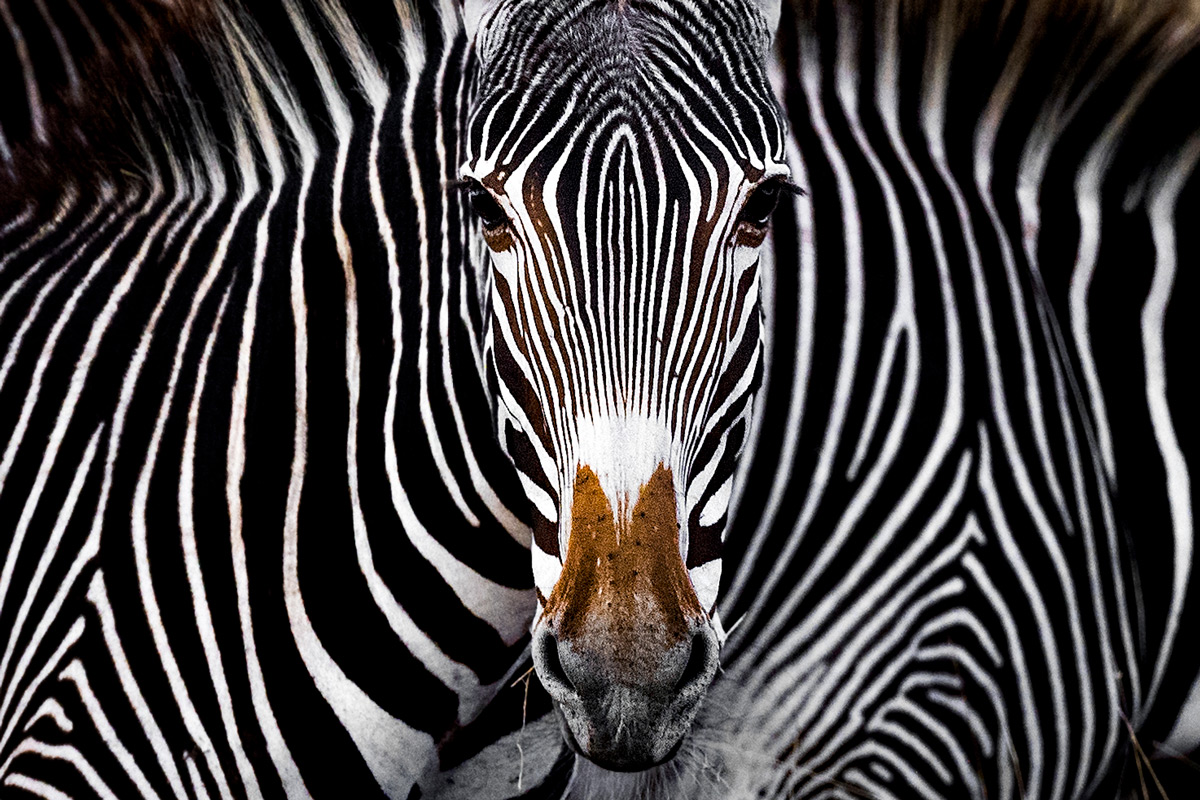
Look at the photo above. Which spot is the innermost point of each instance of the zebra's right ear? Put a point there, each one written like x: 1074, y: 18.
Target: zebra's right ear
x: 474, y: 12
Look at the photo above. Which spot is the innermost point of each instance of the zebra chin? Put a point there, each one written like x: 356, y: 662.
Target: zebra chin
x: 624, y: 646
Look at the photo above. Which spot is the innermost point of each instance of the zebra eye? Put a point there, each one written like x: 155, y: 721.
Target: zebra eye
x: 485, y: 207
x: 761, y: 204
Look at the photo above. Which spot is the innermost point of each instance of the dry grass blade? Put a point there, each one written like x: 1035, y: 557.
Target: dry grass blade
x: 1140, y: 758
x: 526, y: 677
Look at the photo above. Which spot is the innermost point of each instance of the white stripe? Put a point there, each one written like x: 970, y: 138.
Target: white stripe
x: 17, y: 340
x: 520, y: 532
x: 1179, y: 486
x: 179, y: 690
x: 194, y: 777
x: 64, y: 52
x: 78, y: 378
x: 1030, y: 714
x: 34, y: 585
x: 66, y: 203
x: 798, y: 394
x: 235, y: 456
x: 76, y: 675
x: 98, y: 596
x: 37, y: 114
x: 397, y: 755
x: 73, y: 634
x: 810, y: 79
x: 50, y: 709
x: 72, y: 756
x: 33, y: 785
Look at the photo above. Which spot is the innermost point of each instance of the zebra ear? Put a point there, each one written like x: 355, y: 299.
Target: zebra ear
x: 770, y: 9
x: 474, y: 12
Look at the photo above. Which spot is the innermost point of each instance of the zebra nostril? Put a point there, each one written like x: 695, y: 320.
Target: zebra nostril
x: 549, y: 664
x: 697, y: 665
x: 555, y: 668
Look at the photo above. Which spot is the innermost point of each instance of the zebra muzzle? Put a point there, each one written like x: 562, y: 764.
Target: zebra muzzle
x: 623, y: 647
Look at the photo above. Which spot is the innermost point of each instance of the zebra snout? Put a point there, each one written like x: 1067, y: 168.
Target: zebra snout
x: 625, y: 706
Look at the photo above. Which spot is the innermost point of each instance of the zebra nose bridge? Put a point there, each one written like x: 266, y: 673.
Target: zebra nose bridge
x: 623, y: 576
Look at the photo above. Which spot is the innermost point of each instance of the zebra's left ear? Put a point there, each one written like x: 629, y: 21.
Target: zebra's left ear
x: 770, y: 9
x: 474, y: 12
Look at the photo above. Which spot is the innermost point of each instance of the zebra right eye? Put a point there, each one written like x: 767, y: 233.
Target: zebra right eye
x: 485, y: 207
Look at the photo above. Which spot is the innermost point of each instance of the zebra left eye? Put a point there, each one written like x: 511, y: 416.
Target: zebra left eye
x: 761, y: 205
x: 485, y: 207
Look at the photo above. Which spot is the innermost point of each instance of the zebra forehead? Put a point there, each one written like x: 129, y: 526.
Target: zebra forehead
x: 670, y: 72
x: 530, y: 33
x: 636, y: 167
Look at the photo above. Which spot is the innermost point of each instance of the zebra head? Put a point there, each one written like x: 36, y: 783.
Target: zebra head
x: 624, y: 158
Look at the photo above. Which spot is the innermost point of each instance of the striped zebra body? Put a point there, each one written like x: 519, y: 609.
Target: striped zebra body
x: 235, y: 278
x: 965, y: 567
x: 261, y: 541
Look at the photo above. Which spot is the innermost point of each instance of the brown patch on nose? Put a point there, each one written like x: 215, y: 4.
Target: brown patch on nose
x: 624, y: 594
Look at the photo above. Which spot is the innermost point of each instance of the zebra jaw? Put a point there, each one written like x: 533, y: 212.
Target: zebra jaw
x: 623, y: 645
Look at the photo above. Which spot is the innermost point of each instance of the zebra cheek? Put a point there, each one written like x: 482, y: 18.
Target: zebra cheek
x: 746, y: 251
x: 504, y: 259
x: 546, y: 571
x: 706, y: 580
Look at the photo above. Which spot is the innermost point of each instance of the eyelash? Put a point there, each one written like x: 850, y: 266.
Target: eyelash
x: 483, y: 205
x: 761, y: 204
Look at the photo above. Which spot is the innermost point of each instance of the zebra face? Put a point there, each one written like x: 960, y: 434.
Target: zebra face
x: 623, y: 159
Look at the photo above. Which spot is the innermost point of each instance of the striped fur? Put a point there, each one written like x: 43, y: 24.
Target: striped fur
x: 260, y: 539
x: 624, y: 329
x: 258, y: 545
x: 965, y: 540
x: 625, y: 317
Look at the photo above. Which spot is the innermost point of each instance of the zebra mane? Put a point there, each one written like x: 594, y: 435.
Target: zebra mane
x: 143, y: 77
x: 153, y: 90
x: 92, y: 105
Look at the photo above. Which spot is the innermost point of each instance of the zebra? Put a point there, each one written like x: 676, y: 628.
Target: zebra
x: 939, y: 568
x: 921, y: 519
x: 259, y: 538
x: 965, y: 568
x: 626, y: 214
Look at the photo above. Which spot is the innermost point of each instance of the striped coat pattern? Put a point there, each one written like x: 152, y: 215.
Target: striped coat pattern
x: 262, y: 533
